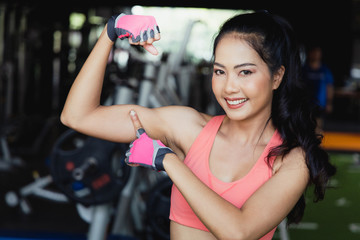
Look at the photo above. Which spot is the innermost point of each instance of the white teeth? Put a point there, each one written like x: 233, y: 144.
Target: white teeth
x: 235, y: 102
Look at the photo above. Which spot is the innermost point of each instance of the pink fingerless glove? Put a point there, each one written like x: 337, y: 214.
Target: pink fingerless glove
x: 147, y: 152
x: 137, y: 27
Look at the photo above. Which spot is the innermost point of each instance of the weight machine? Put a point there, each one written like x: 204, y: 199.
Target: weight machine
x: 92, y: 172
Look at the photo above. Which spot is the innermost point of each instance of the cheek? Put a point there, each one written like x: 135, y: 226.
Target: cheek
x: 261, y: 88
x: 215, y: 87
x: 252, y: 89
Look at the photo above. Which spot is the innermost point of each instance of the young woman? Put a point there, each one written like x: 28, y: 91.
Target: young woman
x: 236, y: 176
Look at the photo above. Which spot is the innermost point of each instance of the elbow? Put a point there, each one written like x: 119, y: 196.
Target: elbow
x: 68, y: 120
x: 234, y: 234
x: 242, y: 234
x: 74, y: 118
x: 64, y: 119
x: 238, y: 235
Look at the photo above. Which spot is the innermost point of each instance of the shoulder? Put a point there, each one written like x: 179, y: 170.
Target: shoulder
x: 325, y: 68
x: 182, y: 116
x: 329, y: 74
x: 182, y: 111
x: 182, y: 125
x: 296, y: 156
x: 294, y: 161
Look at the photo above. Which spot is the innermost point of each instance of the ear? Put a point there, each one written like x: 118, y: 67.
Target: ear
x: 278, y: 76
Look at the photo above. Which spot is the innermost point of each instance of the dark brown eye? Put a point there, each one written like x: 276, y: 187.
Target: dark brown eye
x: 219, y: 72
x: 245, y: 72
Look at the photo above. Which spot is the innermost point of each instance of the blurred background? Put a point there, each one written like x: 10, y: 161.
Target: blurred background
x: 50, y: 187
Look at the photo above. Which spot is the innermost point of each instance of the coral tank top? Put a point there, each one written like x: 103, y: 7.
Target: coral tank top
x: 236, y: 192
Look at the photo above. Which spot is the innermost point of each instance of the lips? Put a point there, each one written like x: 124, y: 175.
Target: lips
x: 235, y: 102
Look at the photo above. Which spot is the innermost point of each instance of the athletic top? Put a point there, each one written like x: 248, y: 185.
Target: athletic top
x: 236, y: 192
x: 317, y: 81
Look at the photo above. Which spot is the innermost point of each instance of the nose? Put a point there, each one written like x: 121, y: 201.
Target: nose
x: 231, y: 85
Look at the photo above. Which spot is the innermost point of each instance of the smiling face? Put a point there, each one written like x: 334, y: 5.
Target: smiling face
x: 242, y: 82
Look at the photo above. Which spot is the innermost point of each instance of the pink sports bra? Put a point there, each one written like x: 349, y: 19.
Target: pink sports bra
x: 236, y: 192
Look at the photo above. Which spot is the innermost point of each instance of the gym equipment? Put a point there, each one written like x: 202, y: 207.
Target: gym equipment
x: 158, y: 210
x: 159, y: 86
x: 88, y: 170
x: 36, y: 188
x: 7, y: 161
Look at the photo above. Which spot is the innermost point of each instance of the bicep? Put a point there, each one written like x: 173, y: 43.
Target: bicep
x: 168, y: 124
x: 113, y: 123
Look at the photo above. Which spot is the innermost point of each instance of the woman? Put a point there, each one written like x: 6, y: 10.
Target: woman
x: 236, y: 176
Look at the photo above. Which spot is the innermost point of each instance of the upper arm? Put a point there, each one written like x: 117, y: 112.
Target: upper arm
x: 113, y: 123
x: 272, y: 202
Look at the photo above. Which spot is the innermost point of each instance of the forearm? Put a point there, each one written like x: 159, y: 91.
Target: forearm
x: 84, y: 95
x: 214, y: 212
x: 330, y: 93
x: 261, y: 212
x: 329, y: 98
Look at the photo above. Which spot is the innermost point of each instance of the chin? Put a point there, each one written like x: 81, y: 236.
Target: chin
x: 236, y: 115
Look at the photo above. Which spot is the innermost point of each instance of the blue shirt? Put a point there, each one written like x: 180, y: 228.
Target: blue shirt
x: 317, y: 81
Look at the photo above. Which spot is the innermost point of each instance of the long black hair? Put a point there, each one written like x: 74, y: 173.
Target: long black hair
x: 292, y: 113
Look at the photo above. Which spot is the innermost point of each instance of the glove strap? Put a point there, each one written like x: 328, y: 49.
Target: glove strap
x: 159, y: 153
x: 111, y: 27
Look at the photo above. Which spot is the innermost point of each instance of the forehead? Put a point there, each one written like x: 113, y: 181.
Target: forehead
x: 233, y: 49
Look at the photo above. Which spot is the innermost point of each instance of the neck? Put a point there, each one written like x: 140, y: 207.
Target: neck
x: 250, y: 132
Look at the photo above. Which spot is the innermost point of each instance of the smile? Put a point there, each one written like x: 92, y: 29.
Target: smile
x: 236, y: 101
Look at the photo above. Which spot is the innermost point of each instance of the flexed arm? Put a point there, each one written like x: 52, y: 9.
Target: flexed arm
x: 82, y: 110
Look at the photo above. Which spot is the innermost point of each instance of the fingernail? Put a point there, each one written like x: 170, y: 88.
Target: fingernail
x: 132, y: 113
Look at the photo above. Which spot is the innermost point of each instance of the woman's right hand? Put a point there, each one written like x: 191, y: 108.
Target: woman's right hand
x: 139, y: 29
x: 145, y: 151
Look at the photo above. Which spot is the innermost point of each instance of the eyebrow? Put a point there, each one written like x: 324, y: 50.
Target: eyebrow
x: 236, y: 66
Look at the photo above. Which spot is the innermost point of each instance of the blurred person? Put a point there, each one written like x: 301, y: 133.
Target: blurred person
x: 320, y: 81
x: 237, y: 175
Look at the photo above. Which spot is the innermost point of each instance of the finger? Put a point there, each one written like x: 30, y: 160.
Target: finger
x: 150, y: 41
x: 136, y: 123
x: 133, y: 43
x: 142, y: 43
x: 127, y: 157
x: 151, y: 49
x: 157, y: 37
x: 131, y: 164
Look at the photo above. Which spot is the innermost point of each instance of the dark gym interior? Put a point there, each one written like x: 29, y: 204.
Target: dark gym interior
x: 40, y: 56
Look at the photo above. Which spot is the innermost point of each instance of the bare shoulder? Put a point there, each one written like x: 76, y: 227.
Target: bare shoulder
x: 179, y: 115
x: 294, y: 161
x: 296, y: 157
x: 183, y: 124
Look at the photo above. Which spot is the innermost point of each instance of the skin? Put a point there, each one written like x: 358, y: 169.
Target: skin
x: 238, y: 73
